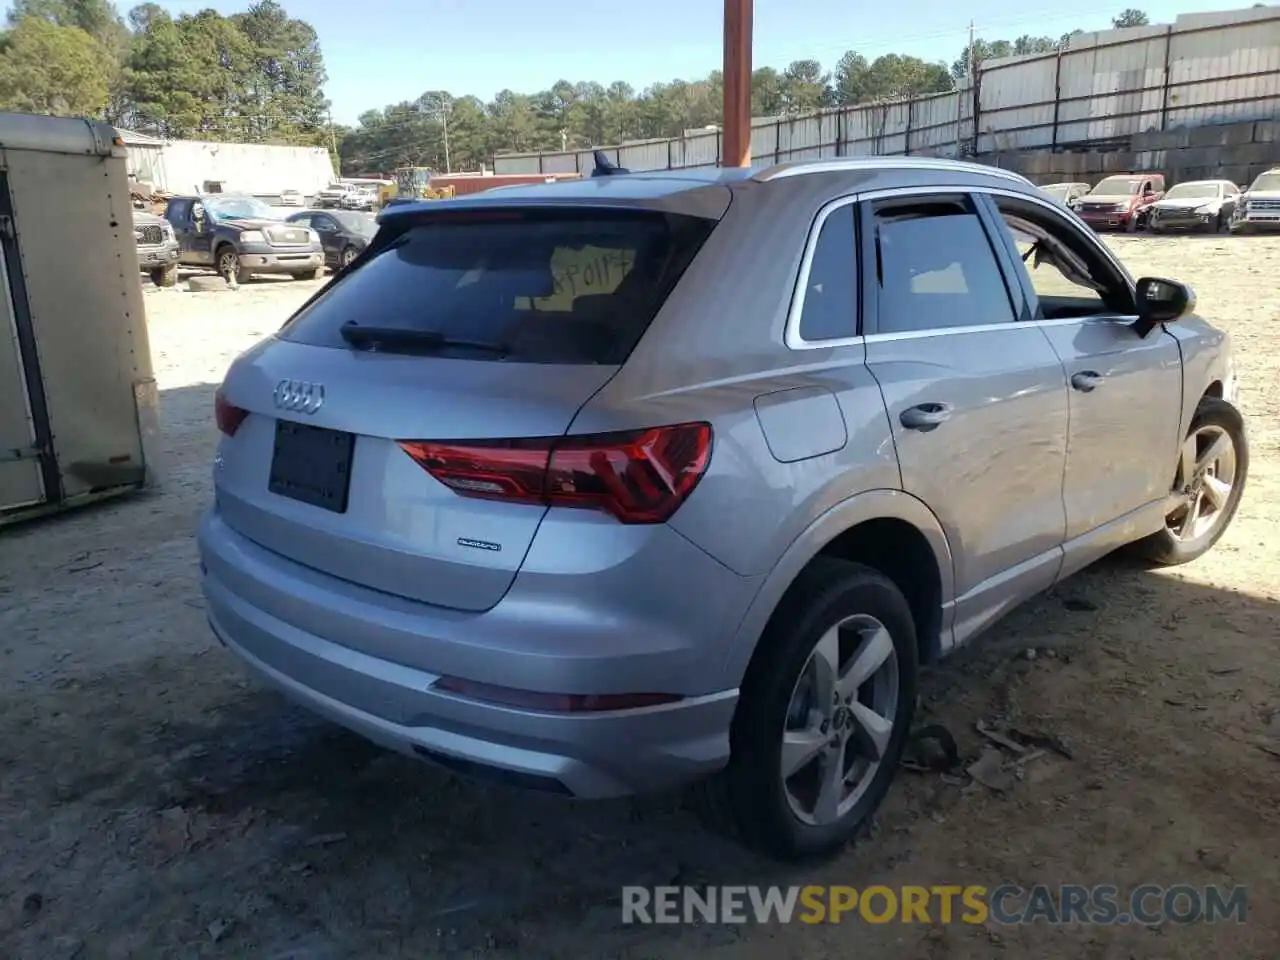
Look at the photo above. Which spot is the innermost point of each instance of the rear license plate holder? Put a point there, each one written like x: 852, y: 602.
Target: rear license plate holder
x: 312, y: 465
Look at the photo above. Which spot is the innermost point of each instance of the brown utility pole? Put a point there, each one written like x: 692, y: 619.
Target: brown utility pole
x: 737, y: 84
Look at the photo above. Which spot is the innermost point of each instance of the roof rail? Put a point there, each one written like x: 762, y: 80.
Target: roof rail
x: 797, y: 168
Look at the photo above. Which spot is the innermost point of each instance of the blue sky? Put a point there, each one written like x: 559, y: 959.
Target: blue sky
x: 393, y: 50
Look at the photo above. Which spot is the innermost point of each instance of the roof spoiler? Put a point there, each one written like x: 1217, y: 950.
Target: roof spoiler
x: 606, y: 167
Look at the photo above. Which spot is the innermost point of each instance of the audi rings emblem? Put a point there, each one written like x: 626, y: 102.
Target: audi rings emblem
x: 302, y: 396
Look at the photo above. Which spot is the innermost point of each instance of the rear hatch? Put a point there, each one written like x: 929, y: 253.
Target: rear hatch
x: 488, y: 326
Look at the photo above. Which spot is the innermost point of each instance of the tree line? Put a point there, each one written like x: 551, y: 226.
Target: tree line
x: 259, y: 77
x: 251, y: 77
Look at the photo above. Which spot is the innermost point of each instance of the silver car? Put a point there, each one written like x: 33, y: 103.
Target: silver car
x: 615, y: 484
x: 1202, y: 205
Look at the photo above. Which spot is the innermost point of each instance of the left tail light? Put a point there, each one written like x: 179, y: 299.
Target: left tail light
x: 640, y: 476
x: 227, y: 414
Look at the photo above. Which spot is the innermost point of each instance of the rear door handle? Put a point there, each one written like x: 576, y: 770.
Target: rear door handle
x: 1086, y: 381
x: 925, y: 416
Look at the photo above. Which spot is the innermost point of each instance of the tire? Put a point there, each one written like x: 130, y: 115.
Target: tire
x: 165, y: 276
x: 750, y: 799
x: 1220, y: 224
x: 316, y: 274
x: 1174, y: 543
x: 1153, y: 229
x: 1131, y: 225
x: 346, y: 256
x: 227, y: 262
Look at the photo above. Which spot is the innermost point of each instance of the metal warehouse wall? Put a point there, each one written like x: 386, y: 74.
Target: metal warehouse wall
x: 1203, y: 69
x: 182, y: 166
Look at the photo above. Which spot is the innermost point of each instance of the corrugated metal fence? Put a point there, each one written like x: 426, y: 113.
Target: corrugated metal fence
x: 1202, y: 69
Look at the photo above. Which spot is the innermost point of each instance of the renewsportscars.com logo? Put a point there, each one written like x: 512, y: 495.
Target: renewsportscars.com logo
x: 1148, y: 904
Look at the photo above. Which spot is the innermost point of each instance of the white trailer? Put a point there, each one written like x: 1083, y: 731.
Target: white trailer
x: 78, y: 402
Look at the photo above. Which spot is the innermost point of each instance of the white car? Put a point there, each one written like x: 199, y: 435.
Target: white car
x: 364, y: 198
x: 331, y: 197
x: 291, y: 198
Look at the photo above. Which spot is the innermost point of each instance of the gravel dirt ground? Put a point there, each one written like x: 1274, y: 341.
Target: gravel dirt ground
x: 156, y: 803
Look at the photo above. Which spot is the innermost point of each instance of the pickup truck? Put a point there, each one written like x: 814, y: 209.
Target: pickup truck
x: 331, y: 197
x: 240, y: 236
x: 1258, y: 208
x: 157, y: 248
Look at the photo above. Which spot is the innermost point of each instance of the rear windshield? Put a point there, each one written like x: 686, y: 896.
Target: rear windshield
x: 528, y: 286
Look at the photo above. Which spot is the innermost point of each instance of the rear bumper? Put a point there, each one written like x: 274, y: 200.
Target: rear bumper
x: 266, y: 609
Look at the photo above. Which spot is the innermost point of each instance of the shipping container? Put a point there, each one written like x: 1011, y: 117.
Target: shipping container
x: 78, y: 403
x: 468, y: 183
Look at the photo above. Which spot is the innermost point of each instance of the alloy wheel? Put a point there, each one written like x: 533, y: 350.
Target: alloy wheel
x: 1206, y: 474
x: 228, y: 264
x: 839, y: 720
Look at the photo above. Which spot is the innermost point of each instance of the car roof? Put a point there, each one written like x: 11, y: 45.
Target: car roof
x: 706, y: 191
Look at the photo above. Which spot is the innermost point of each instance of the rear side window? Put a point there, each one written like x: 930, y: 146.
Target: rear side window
x: 548, y: 286
x: 936, y: 268
x: 829, y: 310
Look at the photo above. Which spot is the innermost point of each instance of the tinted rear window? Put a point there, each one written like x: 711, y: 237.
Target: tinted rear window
x: 544, y: 286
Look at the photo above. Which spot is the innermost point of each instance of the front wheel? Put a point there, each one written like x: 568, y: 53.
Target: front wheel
x: 822, y: 717
x: 1131, y: 225
x: 229, y: 266
x: 165, y: 276
x: 316, y: 274
x: 1208, y: 484
x: 348, y: 254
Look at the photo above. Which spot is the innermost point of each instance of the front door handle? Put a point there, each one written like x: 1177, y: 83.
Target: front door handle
x: 925, y: 416
x: 1086, y: 381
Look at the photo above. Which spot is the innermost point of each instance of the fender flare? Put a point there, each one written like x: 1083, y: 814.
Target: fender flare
x: 870, y: 505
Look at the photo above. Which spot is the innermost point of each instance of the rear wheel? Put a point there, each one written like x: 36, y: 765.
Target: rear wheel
x: 229, y: 266
x: 1209, y: 481
x: 823, y: 714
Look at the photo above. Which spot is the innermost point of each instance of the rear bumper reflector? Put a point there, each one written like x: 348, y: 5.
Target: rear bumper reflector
x: 552, y: 702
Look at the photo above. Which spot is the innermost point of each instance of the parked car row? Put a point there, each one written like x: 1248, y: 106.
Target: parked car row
x: 1137, y: 201
x: 239, y: 236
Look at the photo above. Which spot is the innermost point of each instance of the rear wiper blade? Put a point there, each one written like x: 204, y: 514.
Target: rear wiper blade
x: 377, y: 338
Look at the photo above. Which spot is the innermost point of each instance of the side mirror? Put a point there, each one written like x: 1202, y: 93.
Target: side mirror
x: 1162, y: 301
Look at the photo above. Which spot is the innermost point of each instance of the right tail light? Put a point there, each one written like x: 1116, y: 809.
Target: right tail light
x: 639, y: 476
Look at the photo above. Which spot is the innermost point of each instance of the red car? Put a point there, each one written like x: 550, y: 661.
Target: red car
x: 1121, y: 202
